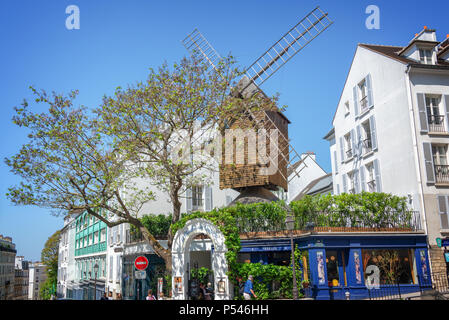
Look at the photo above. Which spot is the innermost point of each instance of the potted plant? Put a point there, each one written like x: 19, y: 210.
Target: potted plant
x: 305, y: 284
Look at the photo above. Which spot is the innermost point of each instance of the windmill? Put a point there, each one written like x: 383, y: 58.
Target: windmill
x: 245, y: 178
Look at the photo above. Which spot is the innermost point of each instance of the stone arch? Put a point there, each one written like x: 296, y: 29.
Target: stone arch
x: 181, y: 254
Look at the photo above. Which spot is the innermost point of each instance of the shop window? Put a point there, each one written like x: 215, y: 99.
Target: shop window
x: 332, y: 268
x: 395, y: 265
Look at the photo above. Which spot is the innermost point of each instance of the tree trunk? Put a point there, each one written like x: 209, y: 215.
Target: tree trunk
x: 165, y: 254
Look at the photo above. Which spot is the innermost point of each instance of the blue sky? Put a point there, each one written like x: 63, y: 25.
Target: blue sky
x: 119, y: 40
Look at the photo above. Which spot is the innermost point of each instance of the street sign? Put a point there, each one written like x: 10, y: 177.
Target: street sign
x: 141, y: 263
x: 438, y: 242
x: 140, y: 274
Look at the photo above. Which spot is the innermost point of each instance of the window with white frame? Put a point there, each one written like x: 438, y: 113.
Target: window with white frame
x: 197, y: 197
x: 363, y: 94
x: 425, y: 56
x: 370, y: 177
x: 439, y: 153
x: 96, y: 237
x: 434, y: 115
x: 366, y: 137
x: 351, y: 182
x: 347, y: 111
x: 103, y: 235
x: 348, y: 146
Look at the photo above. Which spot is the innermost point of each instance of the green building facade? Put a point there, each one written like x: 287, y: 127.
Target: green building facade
x: 90, y: 249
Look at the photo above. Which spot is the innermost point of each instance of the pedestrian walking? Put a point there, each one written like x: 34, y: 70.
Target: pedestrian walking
x: 209, y: 292
x: 248, y: 290
x: 104, y: 297
x: 150, y: 295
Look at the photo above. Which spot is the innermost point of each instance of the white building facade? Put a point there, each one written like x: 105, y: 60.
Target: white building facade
x: 391, y: 129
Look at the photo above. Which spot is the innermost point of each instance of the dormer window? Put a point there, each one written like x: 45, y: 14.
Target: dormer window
x: 425, y: 56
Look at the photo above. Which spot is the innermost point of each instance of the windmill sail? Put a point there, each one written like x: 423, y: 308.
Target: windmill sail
x: 200, y: 48
x: 263, y: 68
x: 288, y: 46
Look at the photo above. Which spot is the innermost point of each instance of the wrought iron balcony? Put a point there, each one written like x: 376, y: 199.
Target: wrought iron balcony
x: 442, y: 173
x: 436, y: 124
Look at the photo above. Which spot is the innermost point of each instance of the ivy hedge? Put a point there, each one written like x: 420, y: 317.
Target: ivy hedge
x: 375, y: 210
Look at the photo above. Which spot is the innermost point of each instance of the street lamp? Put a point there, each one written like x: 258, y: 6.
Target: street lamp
x: 96, y: 272
x: 290, y: 223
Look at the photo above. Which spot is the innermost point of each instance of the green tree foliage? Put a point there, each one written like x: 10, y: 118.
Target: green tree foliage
x: 79, y: 158
x: 49, y: 257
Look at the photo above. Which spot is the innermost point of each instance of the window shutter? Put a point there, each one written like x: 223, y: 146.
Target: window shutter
x: 353, y: 142
x: 442, y: 210
x: 445, y: 99
x: 208, y: 196
x: 377, y: 174
x: 359, y: 142
x: 422, y: 112
x: 342, y: 149
x: 369, y: 88
x: 335, y: 162
x: 189, y: 200
x: 429, y: 162
x: 356, y: 181
x: 345, y: 189
x: 355, y: 93
x: 372, y: 125
x: 362, y: 178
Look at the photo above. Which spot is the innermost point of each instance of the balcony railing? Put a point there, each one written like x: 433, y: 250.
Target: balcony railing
x: 436, y: 124
x: 442, y: 173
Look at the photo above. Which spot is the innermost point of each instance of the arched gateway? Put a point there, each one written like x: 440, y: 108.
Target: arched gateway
x: 181, y: 255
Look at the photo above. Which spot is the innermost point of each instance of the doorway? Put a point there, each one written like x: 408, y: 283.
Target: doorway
x: 336, y: 263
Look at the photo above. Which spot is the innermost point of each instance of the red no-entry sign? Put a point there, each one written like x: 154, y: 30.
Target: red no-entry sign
x: 141, y: 263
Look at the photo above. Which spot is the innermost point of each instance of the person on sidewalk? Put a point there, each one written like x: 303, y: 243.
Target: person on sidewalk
x: 248, y: 290
x: 150, y: 295
x: 105, y: 296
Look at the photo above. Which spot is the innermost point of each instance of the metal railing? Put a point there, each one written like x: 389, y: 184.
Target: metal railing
x: 435, y: 285
x: 442, y: 173
x: 436, y: 123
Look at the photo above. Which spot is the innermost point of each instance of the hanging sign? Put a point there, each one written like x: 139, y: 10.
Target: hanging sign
x: 140, y: 274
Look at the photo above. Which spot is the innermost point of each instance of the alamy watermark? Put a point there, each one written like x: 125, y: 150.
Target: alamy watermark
x: 73, y: 20
x: 373, y: 20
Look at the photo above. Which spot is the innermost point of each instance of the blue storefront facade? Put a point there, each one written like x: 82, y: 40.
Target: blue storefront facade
x: 342, y: 263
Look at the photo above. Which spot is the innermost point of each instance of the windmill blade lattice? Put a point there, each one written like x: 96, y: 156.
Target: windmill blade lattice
x: 288, y: 46
x: 200, y: 48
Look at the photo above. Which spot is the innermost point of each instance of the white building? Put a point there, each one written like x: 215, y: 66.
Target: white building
x: 66, y: 255
x: 391, y: 128
x: 37, y: 276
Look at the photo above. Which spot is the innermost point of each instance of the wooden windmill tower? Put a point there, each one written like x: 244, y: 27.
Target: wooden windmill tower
x: 246, y: 178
